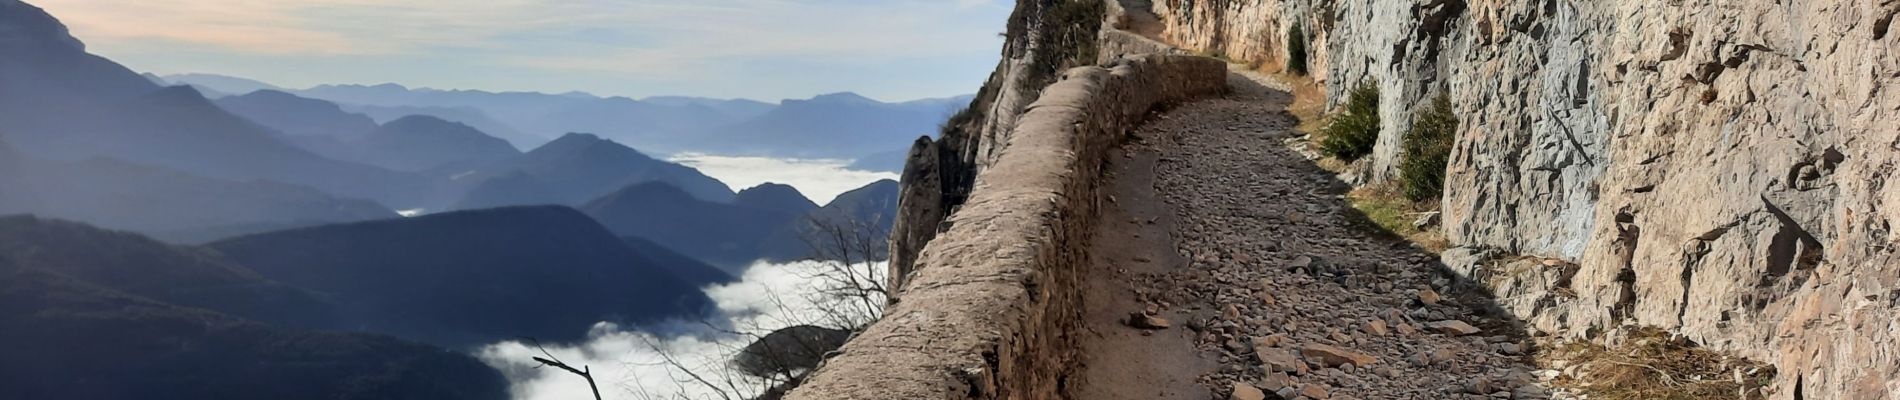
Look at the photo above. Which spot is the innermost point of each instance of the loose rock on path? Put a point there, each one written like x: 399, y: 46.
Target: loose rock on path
x: 1274, y: 286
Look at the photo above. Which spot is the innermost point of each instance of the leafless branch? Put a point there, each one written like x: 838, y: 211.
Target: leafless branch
x: 556, y: 362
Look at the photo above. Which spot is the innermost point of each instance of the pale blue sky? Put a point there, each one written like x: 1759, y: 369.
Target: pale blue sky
x: 760, y: 49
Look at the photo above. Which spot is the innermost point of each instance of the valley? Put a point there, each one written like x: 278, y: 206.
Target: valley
x: 354, y: 241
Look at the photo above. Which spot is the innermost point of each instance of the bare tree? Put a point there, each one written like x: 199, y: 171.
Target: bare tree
x: 848, y: 293
x: 849, y: 249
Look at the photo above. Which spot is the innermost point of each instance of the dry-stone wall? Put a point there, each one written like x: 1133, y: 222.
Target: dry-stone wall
x: 990, y: 310
x: 1714, y: 167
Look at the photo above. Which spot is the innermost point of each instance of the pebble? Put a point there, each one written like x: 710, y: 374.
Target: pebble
x: 1376, y: 327
x: 1452, y: 327
x: 1244, y: 391
x: 1142, y: 320
x: 1315, y: 391
x: 1429, y: 297
x: 1333, y: 356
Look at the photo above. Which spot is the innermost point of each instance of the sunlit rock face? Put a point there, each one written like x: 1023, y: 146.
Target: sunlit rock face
x: 1043, y: 38
x: 1713, y: 167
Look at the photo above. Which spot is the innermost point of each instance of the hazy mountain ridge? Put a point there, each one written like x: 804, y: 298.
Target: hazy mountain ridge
x: 868, y: 211
x: 575, y: 169
x: 769, y: 222
x: 464, y: 115
x: 64, y: 103
x: 96, y: 142
x: 838, y: 125
x: 470, y: 278
x: 419, y: 143
x: 723, y: 235
x: 168, y: 204
x: 214, y: 85
x: 84, y: 320
x: 298, y: 116
x: 776, y: 197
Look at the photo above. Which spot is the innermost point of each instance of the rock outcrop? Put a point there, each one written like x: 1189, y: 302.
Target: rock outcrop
x: 1715, y: 168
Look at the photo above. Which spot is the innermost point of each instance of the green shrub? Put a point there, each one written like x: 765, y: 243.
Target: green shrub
x: 1352, y: 134
x: 1427, y: 149
x: 1296, y: 50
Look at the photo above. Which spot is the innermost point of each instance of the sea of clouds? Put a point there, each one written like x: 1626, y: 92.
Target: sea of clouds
x: 632, y: 363
x: 819, y: 179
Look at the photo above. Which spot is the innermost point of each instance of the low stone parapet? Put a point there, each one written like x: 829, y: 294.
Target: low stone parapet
x: 993, y: 307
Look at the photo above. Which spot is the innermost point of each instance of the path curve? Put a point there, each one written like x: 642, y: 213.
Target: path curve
x: 1268, y: 277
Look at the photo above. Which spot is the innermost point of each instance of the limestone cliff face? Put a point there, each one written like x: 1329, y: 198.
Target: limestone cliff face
x: 1713, y: 167
x: 1043, y: 38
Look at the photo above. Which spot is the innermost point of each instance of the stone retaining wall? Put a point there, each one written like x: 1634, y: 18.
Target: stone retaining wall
x: 992, y: 307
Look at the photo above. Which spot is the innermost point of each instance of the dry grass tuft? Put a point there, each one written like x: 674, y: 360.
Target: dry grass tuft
x: 1386, y: 206
x: 1651, y: 364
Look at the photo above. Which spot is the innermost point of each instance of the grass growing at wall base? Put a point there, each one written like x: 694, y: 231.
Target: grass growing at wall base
x: 1385, y: 207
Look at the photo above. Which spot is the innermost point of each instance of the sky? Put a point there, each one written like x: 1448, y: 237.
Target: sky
x: 889, y: 50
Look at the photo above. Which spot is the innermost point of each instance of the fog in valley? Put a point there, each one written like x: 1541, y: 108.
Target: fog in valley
x: 633, y: 362
x: 819, y: 179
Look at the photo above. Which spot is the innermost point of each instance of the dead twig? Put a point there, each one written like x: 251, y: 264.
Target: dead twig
x: 556, y: 362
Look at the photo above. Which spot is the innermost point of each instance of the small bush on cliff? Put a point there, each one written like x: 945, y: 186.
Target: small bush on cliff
x: 1296, y: 50
x: 1427, y: 149
x: 1352, y: 134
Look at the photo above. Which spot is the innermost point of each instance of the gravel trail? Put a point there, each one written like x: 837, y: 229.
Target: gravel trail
x: 1266, y: 279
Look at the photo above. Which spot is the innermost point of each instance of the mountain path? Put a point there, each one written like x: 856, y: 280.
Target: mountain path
x: 1267, y: 279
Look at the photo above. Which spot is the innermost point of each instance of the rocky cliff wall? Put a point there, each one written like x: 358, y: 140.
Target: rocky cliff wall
x: 1712, y: 167
x: 1042, y: 39
x: 990, y: 310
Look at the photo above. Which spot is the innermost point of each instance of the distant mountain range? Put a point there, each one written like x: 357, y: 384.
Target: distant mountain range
x: 89, y: 140
x: 298, y: 116
x: 421, y: 143
x: 166, y: 203
x: 156, y: 243
x: 59, y: 102
x: 839, y: 125
x: 574, y: 169
x: 721, y: 234
x: 472, y: 278
x: 769, y: 222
